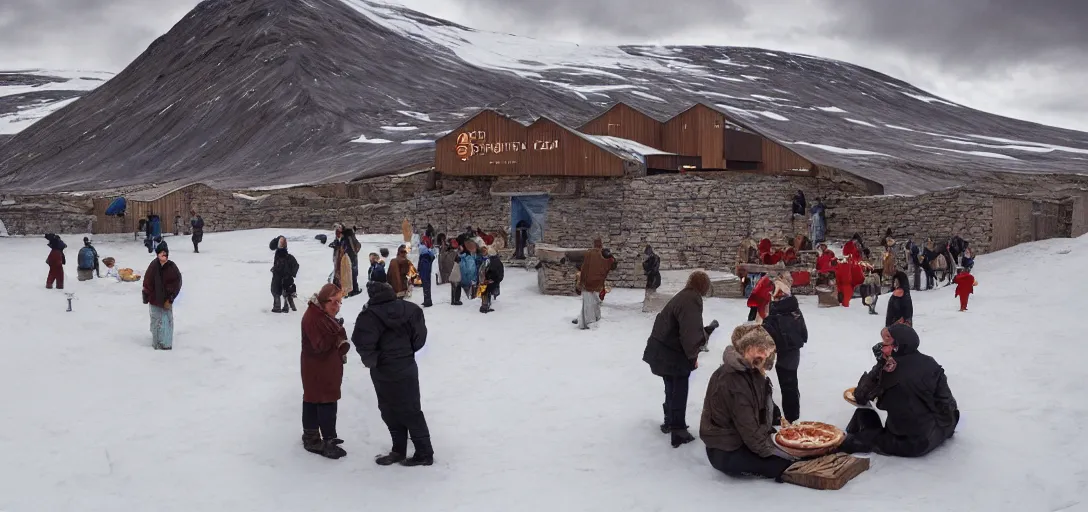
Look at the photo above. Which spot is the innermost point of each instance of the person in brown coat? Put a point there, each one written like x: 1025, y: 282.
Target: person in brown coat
x: 398, y: 273
x: 672, y: 351
x: 324, y: 348
x: 739, y: 411
x: 161, y: 286
x: 595, y: 268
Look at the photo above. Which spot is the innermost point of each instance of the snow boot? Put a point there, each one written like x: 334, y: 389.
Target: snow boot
x: 311, y: 441
x: 665, y: 424
x: 276, y: 306
x: 853, y: 445
x: 681, y: 436
x: 331, y: 449
x: 418, y: 460
x: 390, y: 459
x: 291, y: 302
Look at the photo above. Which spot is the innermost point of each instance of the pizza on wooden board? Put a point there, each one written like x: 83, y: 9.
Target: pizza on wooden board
x: 809, y: 435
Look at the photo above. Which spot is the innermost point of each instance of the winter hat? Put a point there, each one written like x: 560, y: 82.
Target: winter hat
x: 162, y: 248
x: 376, y: 287
x: 86, y: 240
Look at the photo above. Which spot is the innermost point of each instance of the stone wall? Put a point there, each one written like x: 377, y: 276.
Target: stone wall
x: 938, y: 215
x: 35, y: 215
x: 376, y: 205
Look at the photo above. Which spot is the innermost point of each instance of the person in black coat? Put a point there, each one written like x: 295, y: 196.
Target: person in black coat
x: 351, y: 246
x: 284, y: 271
x: 672, y: 351
x: 900, y: 305
x: 916, y: 263
x: 493, y: 276
x: 521, y: 238
x: 786, y: 325
x: 913, y: 389
x: 929, y: 255
x: 799, y: 203
x: 651, y: 267
x: 388, y: 333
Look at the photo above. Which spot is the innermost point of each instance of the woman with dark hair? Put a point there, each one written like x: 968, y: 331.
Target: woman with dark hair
x: 900, y: 306
x: 672, y: 351
x: 913, y: 389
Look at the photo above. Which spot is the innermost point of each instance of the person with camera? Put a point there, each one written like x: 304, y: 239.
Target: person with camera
x: 672, y: 351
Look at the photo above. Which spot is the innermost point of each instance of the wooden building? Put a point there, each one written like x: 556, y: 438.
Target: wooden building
x: 167, y: 201
x: 626, y: 122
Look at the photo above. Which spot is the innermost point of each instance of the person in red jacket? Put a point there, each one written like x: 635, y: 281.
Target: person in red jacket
x: 965, y: 286
x: 760, y: 299
x: 851, y: 251
x: 844, y: 281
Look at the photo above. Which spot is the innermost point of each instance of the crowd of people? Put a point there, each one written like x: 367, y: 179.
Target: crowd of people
x: 739, y: 414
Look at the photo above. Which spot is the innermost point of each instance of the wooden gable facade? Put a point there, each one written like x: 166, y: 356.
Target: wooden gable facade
x: 491, y: 144
x: 626, y: 122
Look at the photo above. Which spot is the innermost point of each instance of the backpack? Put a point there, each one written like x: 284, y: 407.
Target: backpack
x: 86, y: 258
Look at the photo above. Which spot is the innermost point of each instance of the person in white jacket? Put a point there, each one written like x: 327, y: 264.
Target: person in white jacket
x: 111, y: 269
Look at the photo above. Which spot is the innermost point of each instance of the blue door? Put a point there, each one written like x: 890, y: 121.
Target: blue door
x: 532, y: 209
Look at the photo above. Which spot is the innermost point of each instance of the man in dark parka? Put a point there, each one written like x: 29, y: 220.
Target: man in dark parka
x: 672, y: 352
x: 388, y: 333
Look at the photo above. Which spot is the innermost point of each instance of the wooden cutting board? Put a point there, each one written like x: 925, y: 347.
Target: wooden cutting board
x: 830, y: 472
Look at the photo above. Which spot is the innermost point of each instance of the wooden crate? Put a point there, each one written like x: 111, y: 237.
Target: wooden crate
x: 843, y: 468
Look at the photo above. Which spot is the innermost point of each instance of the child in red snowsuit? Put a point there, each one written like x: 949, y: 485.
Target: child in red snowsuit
x: 965, y: 286
x: 847, y: 276
x: 760, y: 298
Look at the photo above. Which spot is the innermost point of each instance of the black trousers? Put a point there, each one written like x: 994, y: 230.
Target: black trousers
x: 320, y: 417
x: 791, y: 395
x: 917, y: 278
x: 398, y: 401
x: 743, y: 461
x: 676, y: 400
x: 355, y: 279
x: 931, y: 277
x: 752, y: 313
x: 425, y: 280
x: 867, y: 430
x: 455, y: 293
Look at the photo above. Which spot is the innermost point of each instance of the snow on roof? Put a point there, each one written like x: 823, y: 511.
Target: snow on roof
x: 624, y: 145
x: 157, y: 191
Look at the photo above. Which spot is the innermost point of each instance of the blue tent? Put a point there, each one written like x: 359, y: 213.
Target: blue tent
x: 117, y: 207
x: 534, y: 210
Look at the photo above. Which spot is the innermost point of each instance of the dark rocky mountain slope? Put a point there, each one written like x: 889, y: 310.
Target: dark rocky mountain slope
x: 253, y: 93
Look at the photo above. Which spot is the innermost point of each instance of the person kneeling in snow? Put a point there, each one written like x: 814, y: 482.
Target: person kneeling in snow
x: 324, y: 347
x: 739, y: 413
x: 911, y: 386
x: 388, y: 333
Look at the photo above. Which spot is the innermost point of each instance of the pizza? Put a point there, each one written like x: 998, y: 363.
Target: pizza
x: 809, y: 435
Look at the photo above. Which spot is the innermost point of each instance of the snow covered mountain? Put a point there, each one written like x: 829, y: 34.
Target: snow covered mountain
x: 244, y: 93
x: 27, y: 96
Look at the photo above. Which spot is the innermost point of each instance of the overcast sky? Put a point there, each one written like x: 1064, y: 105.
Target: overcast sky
x: 1020, y: 58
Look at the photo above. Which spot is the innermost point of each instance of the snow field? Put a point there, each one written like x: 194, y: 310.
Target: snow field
x: 527, y: 413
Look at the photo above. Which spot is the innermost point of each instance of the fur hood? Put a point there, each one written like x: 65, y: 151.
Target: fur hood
x: 744, y: 336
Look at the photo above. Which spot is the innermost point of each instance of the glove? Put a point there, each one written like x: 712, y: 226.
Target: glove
x: 167, y: 305
x: 710, y: 328
x: 340, y: 321
x: 877, y: 351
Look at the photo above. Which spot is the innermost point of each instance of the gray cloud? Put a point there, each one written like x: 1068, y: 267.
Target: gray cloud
x: 1014, y: 57
x: 970, y: 35
x: 82, y: 34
